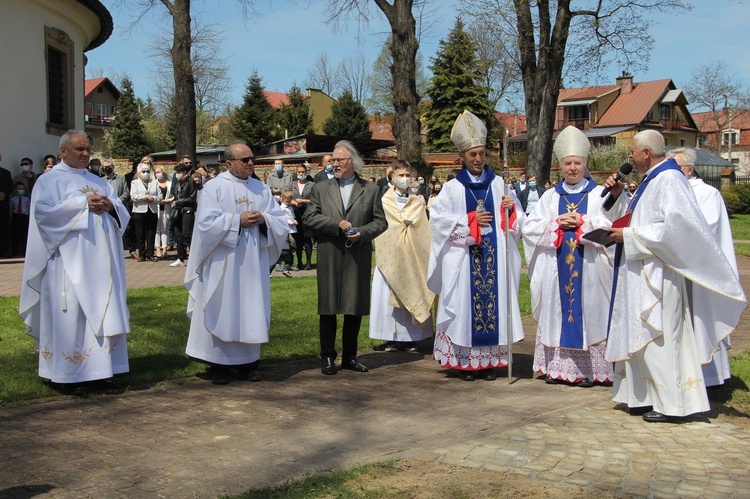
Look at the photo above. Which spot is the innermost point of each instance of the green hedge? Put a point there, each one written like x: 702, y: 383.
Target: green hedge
x: 737, y: 199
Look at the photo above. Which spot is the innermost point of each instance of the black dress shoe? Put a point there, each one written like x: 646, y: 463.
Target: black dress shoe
x: 553, y: 381
x: 220, y: 376
x: 249, y: 372
x: 584, y: 383
x: 466, y: 375
x: 76, y: 389
x: 354, y: 365
x: 487, y: 374
x: 639, y: 411
x: 328, y: 367
x: 655, y: 417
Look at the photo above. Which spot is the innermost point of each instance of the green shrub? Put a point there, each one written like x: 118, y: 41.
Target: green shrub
x: 737, y: 199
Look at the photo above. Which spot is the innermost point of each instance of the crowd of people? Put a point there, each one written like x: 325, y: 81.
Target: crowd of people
x: 618, y: 296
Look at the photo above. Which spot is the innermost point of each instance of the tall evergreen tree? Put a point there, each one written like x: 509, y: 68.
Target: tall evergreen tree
x: 455, y: 86
x: 127, y: 137
x: 296, y: 117
x: 255, y: 120
x: 348, y: 119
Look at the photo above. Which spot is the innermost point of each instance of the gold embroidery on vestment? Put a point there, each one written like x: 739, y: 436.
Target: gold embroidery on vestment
x: 78, y: 358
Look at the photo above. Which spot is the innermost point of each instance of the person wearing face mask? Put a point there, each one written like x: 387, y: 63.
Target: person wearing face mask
x: 302, y: 186
x: 571, y: 276
x: 416, y: 190
x: 327, y: 172
x: 116, y: 180
x: 279, y: 178
x: 95, y: 167
x: 19, y: 208
x: 521, y: 185
x: 467, y: 261
x: 27, y: 176
x: 165, y: 210
x: 185, y: 202
x: 436, y: 188
x: 145, y: 194
x: 6, y: 188
x: 531, y: 194
x: 400, y: 308
x: 385, y: 183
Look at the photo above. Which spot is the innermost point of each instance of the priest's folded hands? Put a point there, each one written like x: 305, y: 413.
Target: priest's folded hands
x: 250, y: 218
x: 99, y: 204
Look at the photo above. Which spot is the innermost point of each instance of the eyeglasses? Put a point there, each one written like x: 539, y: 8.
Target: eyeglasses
x: 340, y: 160
x: 246, y: 159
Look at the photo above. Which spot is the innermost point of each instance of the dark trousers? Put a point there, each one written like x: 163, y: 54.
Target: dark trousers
x: 348, y: 336
x: 145, y: 233
x: 20, y: 229
x: 128, y: 237
x: 303, y: 244
x: 6, y: 244
x: 183, y: 233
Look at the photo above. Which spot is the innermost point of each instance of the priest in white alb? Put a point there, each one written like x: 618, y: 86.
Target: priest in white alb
x: 570, y: 276
x: 467, y: 261
x: 73, y: 296
x: 239, y: 232
x: 714, y: 210
x: 675, y: 297
x: 400, y: 311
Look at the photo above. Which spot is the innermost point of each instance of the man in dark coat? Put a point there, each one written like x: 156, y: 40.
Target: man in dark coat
x: 6, y: 188
x: 346, y: 214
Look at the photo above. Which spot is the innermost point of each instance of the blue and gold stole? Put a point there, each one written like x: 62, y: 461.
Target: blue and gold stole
x: 483, y: 262
x: 570, y: 268
x: 669, y: 164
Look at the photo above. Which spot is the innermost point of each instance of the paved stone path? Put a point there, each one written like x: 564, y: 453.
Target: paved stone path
x: 200, y: 440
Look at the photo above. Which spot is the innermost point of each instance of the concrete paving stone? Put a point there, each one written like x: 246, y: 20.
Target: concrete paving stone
x: 550, y: 476
x: 496, y: 468
x: 472, y: 463
x: 718, y: 489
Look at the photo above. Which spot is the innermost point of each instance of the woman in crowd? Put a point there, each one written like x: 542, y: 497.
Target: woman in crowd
x: 165, y: 211
x: 301, y: 189
x: 145, y: 194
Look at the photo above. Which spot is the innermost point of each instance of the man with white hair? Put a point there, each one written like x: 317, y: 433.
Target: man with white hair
x: 467, y: 261
x: 570, y: 276
x: 346, y: 213
x: 73, y: 296
x: 714, y: 210
x: 675, y: 296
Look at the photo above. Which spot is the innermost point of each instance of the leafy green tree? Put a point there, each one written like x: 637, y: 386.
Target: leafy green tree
x: 127, y: 138
x: 296, y: 117
x: 455, y: 86
x: 255, y: 121
x: 348, y: 119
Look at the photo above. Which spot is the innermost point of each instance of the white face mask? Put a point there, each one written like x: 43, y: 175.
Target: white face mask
x: 402, y: 183
x: 145, y: 175
x: 178, y: 176
x: 414, y: 190
x: 25, y: 168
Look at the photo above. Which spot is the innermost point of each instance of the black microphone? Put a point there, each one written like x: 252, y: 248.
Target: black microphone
x: 625, y: 170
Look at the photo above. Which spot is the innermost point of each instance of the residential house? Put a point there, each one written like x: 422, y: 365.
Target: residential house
x: 43, y: 79
x: 733, y: 143
x: 100, y: 100
x: 613, y: 114
x: 319, y: 102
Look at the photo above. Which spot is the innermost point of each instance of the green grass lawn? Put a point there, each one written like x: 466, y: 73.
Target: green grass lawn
x: 159, y: 331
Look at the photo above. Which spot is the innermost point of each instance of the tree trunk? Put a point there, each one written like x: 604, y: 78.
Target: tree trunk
x: 404, y: 46
x: 184, y: 82
x: 541, y: 78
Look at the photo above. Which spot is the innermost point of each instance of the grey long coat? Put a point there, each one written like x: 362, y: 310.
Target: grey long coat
x: 344, y: 273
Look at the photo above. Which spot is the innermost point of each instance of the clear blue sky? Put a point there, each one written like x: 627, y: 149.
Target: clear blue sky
x: 282, y: 41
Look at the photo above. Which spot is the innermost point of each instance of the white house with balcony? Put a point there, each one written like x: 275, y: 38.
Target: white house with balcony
x: 43, y: 59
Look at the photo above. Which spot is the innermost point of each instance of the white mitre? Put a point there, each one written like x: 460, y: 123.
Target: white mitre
x: 468, y: 131
x: 571, y: 142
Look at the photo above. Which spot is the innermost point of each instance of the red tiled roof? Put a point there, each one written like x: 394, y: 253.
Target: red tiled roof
x: 515, y: 123
x: 632, y: 108
x: 381, y: 129
x: 707, y: 124
x: 568, y: 94
x: 276, y: 99
x: 89, y: 86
